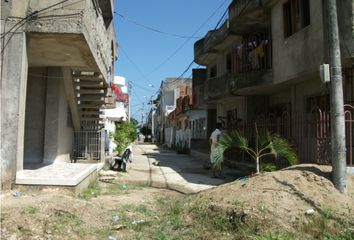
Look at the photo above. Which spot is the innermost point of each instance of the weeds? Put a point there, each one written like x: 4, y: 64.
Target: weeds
x: 93, y: 190
x: 31, y: 210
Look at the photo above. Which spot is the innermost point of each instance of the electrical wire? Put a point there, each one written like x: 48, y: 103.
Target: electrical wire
x: 187, y: 40
x: 33, y: 14
x: 30, y: 16
x: 135, y: 65
x: 153, y: 29
x: 191, y: 64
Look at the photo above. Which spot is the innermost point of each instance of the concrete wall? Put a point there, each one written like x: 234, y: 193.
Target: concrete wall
x: 13, y: 97
x: 35, y: 115
x: 301, y: 52
x: 346, y: 27
x: 65, y: 130
x: 89, y: 25
x: 58, y: 130
x: 228, y: 104
x: 302, y: 91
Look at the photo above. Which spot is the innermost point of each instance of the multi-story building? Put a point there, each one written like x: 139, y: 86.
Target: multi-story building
x: 264, y: 62
x: 57, y: 62
x: 165, y: 103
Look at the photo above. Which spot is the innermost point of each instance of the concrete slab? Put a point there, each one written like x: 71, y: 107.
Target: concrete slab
x: 59, y: 174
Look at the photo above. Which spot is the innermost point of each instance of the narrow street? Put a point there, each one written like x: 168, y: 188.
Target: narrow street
x: 174, y: 171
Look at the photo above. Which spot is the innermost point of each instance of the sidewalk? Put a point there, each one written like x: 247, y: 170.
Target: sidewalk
x: 175, y: 171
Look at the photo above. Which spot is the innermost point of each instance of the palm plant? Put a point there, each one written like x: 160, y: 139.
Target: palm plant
x: 266, y: 144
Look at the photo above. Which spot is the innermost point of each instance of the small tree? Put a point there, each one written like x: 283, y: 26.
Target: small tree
x: 266, y: 144
x: 124, y: 135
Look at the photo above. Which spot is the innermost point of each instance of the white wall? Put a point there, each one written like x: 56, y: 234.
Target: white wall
x: 118, y: 113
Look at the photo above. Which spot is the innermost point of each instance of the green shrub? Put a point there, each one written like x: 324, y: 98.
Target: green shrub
x: 124, y: 135
x: 268, y: 167
x: 182, y: 148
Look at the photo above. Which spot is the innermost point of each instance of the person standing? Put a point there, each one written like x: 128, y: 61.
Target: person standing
x: 214, y: 137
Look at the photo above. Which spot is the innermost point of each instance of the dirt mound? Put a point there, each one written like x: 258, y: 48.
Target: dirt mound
x: 54, y: 214
x: 284, y: 198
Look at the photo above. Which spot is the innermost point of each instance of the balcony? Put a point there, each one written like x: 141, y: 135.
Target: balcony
x: 110, y: 101
x: 75, y: 35
x: 252, y: 62
x: 169, y: 109
x: 215, y: 38
x: 184, y: 104
x: 217, y: 87
x: 250, y: 79
x: 215, y: 42
x: 249, y: 14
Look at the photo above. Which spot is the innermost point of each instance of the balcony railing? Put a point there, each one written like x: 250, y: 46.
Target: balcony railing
x: 253, y: 54
x: 216, y: 37
x: 199, y: 47
x: 122, y: 97
x: 218, y: 87
x: 252, y: 62
x: 250, y: 15
x: 239, y: 6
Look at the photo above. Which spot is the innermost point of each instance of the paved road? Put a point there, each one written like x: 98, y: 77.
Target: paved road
x: 175, y: 171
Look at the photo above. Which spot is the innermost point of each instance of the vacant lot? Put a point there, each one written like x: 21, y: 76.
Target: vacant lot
x: 297, y: 203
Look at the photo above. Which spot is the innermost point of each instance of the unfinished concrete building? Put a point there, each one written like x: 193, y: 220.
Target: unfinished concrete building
x: 57, y: 62
x: 263, y: 66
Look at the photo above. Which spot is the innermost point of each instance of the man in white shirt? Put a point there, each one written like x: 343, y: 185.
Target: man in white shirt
x: 214, y: 137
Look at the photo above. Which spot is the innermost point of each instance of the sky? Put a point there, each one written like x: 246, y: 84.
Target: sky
x: 147, y: 57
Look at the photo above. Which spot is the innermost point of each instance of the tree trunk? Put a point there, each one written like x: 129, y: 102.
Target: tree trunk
x: 257, y: 163
x: 337, y: 103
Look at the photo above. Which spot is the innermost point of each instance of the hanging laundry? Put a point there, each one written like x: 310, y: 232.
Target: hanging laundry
x: 260, y: 50
x: 253, y: 59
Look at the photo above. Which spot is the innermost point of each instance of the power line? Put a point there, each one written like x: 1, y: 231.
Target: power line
x: 135, y: 65
x: 33, y: 14
x: 187, y: 40
x: 153, y: 29
x: 141, y: 87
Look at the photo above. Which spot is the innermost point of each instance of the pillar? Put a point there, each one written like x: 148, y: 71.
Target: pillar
x: 13, y: 102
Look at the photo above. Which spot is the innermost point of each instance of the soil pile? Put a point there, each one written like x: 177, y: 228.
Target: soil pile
x: 285, y: 199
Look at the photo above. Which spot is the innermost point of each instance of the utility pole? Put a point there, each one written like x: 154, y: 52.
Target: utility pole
x: 142, y: 114
x: 337, y: 103
x: 129, y: 98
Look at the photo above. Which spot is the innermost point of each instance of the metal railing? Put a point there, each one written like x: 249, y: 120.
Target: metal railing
x: 310, y: 134
x: 87, y: 145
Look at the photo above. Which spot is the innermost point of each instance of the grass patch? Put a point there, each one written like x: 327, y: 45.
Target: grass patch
x: 31, y: 210
x: 118, y: 189
x: 93, y: 190
x: 326, y: 225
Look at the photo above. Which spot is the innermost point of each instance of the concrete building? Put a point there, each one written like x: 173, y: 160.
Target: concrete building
x: 57, y: 61
x: 264, y: 61
x: 165, y: 103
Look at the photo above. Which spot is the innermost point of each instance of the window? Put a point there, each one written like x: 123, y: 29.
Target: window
x: 296, y: 16
x: 213, y: 71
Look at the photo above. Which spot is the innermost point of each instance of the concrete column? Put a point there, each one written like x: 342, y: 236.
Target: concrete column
x: 13, y: 102
x: 51, y: 116
x: 58, y: 130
